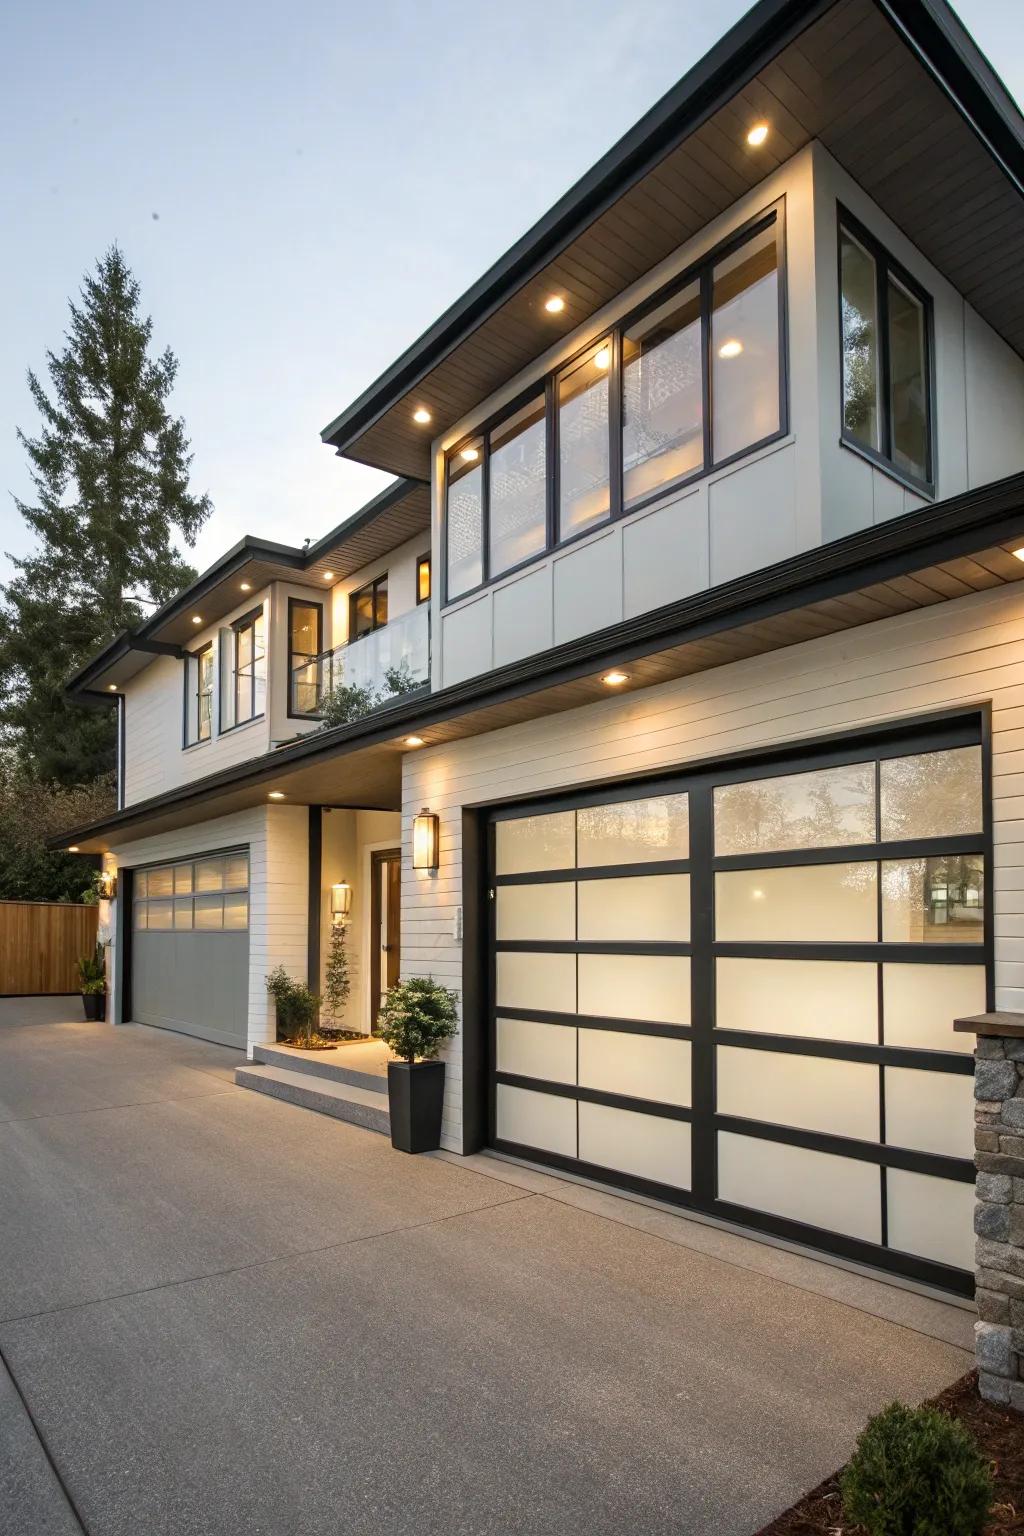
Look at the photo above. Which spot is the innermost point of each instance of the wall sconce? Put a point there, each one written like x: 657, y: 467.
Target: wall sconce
x: 425, y: 840
x: 107, y: 885
x: 341, y: 901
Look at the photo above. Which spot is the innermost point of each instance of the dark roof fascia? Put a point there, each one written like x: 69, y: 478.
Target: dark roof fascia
x: 930, y: 27
x: 765, y: 29
x: 247, y: 549
x: 940, y: 531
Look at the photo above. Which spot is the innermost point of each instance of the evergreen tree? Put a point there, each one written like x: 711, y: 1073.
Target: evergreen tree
x: 337, y: 981
x: 110, y: 471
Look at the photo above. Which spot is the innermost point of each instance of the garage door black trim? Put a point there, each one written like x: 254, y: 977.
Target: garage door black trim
x: 586, y: 1095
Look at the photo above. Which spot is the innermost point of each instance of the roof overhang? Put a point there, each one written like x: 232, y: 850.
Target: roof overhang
x: 933, y: 555
x: 896, y: 91
x: 399, y: 512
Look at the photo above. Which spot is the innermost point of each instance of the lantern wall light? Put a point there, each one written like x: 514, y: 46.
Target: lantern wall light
x: 108, y: 885
x: 341, y: 901
x: 425, y: 840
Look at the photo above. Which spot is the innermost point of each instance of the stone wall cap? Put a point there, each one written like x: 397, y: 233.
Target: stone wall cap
x: 1010, y: 1025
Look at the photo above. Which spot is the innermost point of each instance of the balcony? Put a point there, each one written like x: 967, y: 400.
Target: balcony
x: 366, y: 674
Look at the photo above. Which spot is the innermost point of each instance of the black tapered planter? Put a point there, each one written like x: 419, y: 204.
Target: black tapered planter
x: 95, y: 1005
x: 416, y: 1099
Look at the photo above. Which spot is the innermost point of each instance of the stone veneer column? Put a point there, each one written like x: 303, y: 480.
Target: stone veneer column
x: 999, y: 1203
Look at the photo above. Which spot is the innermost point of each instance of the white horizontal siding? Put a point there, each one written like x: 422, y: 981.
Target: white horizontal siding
x: 966, y: 652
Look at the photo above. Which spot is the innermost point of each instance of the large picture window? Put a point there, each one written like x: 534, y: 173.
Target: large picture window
x: 368, y: 608
x: 250, y: 669
x: 691, y: 381
x: 305, y: 642
x: 886, y: 326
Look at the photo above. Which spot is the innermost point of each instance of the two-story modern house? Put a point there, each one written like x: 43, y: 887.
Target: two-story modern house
x: 701, y: 776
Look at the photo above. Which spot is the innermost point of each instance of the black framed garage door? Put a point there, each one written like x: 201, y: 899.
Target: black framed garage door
x: 733, y: 989
x: 189, y: 953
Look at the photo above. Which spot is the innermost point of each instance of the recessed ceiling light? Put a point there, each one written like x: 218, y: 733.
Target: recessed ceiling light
x: 470, y: 454
x: 276, y: 794
x: 1018, y: 552
x: 111, y: 687
x: 328, y: 575
x: 615, y: 679
x: 414, y: 741
x: 73, y: 848
x: 197, y: 618
x: 603, y: 358
x: 730, y: 348
x: 757, y: 135
x: 246, y: 586
x: 555, y: 304
x: 421, y: 415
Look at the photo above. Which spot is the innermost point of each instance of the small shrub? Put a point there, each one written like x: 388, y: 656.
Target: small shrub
x: 916, y: 1472
x: 92, y: 972
x: 418, y: 1016
x: 297, y: 1007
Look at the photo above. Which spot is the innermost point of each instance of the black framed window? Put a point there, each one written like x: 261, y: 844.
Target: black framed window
x: 199, y: 695
x: 250, y: 669
x: 886, y: 323
x: 423, y: 578
x: 692, y: 380
x: 305, y: 642
x: 368, y: 608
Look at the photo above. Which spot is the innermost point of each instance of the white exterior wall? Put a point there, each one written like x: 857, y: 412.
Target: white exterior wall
x: 966, y: 652
x: 400, y: 566
x: 277, y: 839
x: 796, y: 494
x: 349, y: 839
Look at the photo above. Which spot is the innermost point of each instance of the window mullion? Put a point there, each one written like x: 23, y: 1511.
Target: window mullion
x: 615, y: 495
x: 485, y: 508
x: 881, y: 267
x: 705, y: 360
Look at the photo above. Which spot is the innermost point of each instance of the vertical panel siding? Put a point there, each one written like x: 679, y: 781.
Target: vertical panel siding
x: 966, y: 652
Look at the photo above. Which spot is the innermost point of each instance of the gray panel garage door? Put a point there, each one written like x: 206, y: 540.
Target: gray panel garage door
x: 734, y: 989
x: 190, y: 946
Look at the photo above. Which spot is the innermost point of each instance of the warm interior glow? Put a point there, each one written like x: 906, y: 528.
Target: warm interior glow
x: 555, y: 304
x: 414, y: 741
x: 615, y: 679
x: 1018, y: 552
x: 276, y: 794
x: 730, y: 348
x: 421, y: 415
x: 603, y: 358
x: 757, y: 135
x: 469, y: 454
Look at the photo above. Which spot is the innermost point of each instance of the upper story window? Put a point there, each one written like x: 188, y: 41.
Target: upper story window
x: 305, y: 642
x: 368, y: 608
x: 199, y: 695
x: 250, y: 668
x: 423, y: 579
x: 886, y: 330
x: 690, y: 381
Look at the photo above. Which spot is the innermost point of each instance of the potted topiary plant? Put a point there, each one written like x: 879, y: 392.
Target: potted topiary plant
x: 418, y: 1016
x: 92, y: 983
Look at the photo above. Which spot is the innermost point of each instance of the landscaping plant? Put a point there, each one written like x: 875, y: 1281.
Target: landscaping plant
x: 337, y: 981
x: 417, y: 1017
x: 916, y: 1472
x: 297, y: 1009
x: 92, y: 973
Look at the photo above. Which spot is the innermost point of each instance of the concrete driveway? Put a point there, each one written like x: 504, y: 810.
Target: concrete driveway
x: 222, y: 1314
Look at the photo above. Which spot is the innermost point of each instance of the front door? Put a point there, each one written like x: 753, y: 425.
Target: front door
x: 385, y: 926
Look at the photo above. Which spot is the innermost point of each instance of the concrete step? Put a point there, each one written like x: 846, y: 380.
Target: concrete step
x: 345, y: 1101
x: 313, y: 1064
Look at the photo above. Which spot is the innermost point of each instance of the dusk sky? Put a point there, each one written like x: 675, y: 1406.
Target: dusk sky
x: 300, y: 191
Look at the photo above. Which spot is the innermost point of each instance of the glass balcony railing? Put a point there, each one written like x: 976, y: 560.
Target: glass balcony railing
x: 350, y: 680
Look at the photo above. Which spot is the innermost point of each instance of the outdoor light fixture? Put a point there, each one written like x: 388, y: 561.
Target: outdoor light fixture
x: 1018, y: 552
x: 757, y: 135
x: 328, y: 575
x: 108, y: 885
x: 603, y: 358
x: 341, y: 901
x: 246, y: 586
x: 111, y: 687
x: 425, y: 840
x: 276, y: 794
x: 615, y: 679
x: 555, y: 304
x: 469, y: 454
x: 414, y: 741
x: 197, y: 618
x: 421, y: 416
x: 73, y: 848
x: 730, y: 348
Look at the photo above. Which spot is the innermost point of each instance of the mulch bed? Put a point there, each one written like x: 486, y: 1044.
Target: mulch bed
x: 999, y: 1434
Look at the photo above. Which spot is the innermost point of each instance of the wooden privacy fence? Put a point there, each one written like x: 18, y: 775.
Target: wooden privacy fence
x: 40, y: 942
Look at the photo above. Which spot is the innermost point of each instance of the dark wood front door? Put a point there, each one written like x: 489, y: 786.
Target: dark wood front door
x: 385, y: 925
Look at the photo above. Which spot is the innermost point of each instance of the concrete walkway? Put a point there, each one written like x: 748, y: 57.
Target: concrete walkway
x: 222, y: 1314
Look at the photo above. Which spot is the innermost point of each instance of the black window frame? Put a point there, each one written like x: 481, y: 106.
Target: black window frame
x: 293, y: 603
x: 193, y: 659
x: 886, y: 265
x: 353, y: 598
x: 247, y: 621
x: 421, y: 561
x: 701, y: 271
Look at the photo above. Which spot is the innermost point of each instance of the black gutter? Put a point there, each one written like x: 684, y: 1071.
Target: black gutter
x: 930, y: 27
x: 941, y: 531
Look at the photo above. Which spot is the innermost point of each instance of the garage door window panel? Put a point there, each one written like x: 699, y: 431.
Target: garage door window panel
x: 817, y: 999
x: 647, y: 831
x: 828, y: 903
x: 829, y: 808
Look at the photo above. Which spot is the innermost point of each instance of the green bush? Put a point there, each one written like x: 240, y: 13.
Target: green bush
x: 916, y: 1472
x: 92, y: 972
x: 297, y: 1006
x: 417, y: 1017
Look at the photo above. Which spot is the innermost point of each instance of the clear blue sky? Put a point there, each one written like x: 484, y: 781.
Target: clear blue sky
x: 301, y: 189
